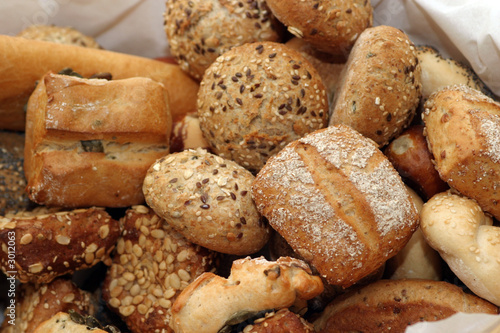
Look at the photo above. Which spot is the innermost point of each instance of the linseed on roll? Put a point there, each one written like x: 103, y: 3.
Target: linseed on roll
x: 256, y: 98
x: 207, y: 199
x: 152, y: 265
x: 200, y: 31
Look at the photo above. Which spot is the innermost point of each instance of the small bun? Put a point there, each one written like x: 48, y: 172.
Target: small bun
x: 338, y: 202
x: 380, y: 88
x: 258, y: 97
x: 60, y: 35
x: 331, y: 26
x: 463, y: 132
x: 200, y: 31
x: 207, y: 199
x: 467, y: 240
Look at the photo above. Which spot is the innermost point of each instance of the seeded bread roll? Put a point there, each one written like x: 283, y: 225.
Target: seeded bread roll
x: 467, y: 240
x: 61, y: 35
x: 62, y: 322
x: 463, y: 130
x: 152, y: 265
x: 331, y: 26
x: 53, y: 244
x: 212, y: 302
x: 392, y: 305
x: 37, y: 303
x: 13, y: 198
x: 258, y: 97
x: 338, y: 202
x: 207, y: 199
x: 281, y: 321
x: 89, y: 142
x: 380, y: 88
x: 200, y: 31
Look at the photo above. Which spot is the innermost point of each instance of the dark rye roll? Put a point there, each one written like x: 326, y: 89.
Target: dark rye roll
x: 338, y: 202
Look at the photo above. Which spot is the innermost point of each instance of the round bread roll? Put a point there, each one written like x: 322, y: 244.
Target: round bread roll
x: 212, y: 302
x: 467, y: 240
x: 207, y: 199
x: 281, y: 321
x: 338, y: 202
x: 152, y: 265
x: 392, y: 305
x: 380, y: 88
x: 258, y: 97
x: 417, y: 260
x: 331, y: 26
x: 200, y: 31
x: 410, y: 155
x: 463, y: 132
x: 60, y: 35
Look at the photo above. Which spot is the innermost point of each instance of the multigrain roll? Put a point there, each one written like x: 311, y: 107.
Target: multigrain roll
x: 152, y: 265
x: 380, y: 88
x: 61, y: 35
x: 37, y: 303
x: 51, y: 244
x: 331, y: 26
x: 258, y: 97
x: 200, y: 31
x: 462, y: 126
x: 207, y: 199
x: 392, y: 305
x: 338, y: 202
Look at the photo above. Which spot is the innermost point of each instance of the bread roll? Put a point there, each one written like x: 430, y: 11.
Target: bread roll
x: 61, y: 35
x: 338, y: 202
x: 463, y: 130
x: 258, y: 97
x: 467, y: 240
x: 281, y: 321
x: 392, y: 305
x: 90, y: 142
x: 380, y: 88
x: 63, y: 323
x: 24, y: 62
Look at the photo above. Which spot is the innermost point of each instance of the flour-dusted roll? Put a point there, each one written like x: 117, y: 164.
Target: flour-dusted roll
x: 89, y: 142
x: 380, y: 88
x: 331, y: 26
x: 258, y: 97
x: 338, y: 202
x: 462, y: 126
x: 200, y: 31
x: 207, y: 199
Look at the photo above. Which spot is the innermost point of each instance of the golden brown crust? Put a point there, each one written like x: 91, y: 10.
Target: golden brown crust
x: 61, y: 35
x: 207, y: 199
x: 89, y: 142
x: 467, y: 240
x: 62, y: 322
x: 200, y: 31
x: 331, y: 26
x: 395, y: 304
x: 258, y: 97
x: 281, y: 321
x: 26, y: 61
x: 54, y: 244
x: 37, y: 303
x: 211, y: 301
x: 380, y: 88
x: 338, y: 202
x: 462, y: 126
x: 152, y: 265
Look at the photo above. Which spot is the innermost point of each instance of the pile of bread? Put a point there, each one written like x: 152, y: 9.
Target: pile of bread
x: 280, y: 174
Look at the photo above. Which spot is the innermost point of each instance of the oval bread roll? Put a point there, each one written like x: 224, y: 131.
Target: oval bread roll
x: 380, y: 88
x: 338, y: 202
x: 467, y: 240
x: 463, y: 132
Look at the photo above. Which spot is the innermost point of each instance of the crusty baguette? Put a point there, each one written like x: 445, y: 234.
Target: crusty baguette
x: 26, y: 61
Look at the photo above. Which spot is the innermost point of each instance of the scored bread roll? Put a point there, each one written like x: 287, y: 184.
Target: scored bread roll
x: 338, y: 202
x: 392, y: 305
x: 89, y: 142
x: 25, y: 61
